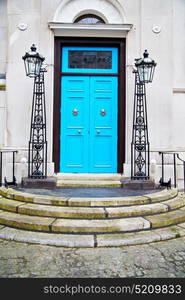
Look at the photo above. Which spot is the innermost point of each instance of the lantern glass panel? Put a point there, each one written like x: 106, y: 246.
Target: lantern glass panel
x: 146, y: 73
x: 33, y: 66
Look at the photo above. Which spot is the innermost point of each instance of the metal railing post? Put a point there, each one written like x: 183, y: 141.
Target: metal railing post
x: 175, y: 172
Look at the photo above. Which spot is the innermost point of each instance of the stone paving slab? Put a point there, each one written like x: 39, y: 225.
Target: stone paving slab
x: 155, y: 260
x: 86, y: 183
x: 9, y: 204
x: 54, y: 239
x: 63, y: 212
x: 175, y: 202
x: 165, y: 219
x: 62, y: 201
x: 90, y: 212
x: 117, y: 240
x: 25, y: 222
x: 91, y: 226
x: 182, y: 225
x: 98, y: 240
x: 113, y: 201
x: 136, y: 210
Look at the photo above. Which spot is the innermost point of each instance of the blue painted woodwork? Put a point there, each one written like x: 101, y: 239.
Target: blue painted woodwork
x: 65, y: 62
x: 88, y: 142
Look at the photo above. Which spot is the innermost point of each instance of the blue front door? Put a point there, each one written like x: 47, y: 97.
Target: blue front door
x: 89, y: 103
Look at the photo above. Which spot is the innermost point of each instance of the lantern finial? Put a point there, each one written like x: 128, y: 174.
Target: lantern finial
x: 145, y: 54
x: 33, y: 48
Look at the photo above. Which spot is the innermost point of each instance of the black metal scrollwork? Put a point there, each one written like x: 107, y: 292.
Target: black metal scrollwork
x: 140, y: 143
x: 37, y: 155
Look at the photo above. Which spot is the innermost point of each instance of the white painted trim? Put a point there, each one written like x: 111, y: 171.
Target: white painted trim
x: 83, y: 30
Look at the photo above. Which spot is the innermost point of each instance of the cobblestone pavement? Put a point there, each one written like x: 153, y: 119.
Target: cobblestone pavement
x: 163, y: 259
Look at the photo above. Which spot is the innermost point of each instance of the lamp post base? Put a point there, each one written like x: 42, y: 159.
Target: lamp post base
x: 46, y: 183
x: 138, y: 184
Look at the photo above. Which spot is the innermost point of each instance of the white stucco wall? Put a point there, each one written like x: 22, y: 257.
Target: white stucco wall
x: 165, y: 96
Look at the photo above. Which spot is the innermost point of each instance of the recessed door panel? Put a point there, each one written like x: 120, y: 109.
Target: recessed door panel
x: 74, y: 124
x: 103, y: 119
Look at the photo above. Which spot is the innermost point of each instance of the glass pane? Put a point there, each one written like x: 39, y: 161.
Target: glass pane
x: 83, y: 59
x: 89, y: 19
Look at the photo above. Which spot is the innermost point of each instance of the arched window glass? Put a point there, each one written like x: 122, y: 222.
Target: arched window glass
x: 89, y: 19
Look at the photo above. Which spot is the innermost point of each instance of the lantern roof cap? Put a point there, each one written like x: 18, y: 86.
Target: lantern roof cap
x: 145, y: 60
x: 33, y: 53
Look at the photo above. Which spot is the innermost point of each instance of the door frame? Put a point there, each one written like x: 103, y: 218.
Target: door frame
x: 90, y: 42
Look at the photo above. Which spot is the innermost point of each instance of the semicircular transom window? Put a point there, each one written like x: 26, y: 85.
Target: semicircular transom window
x: 89, y: 19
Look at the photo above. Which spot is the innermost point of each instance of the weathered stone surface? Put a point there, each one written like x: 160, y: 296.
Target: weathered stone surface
x: 169, y: 218
x: 136, y: 210
x: 101, y: 240
x: 182, y: 225
x: 137, y: 184
x: 112, y: 225
x: 24, y: 221
x: 162, y: 259
x: 65, y: 212
x: 27, y: 197
x: 54, y: 239
x: 50, y: 200
x: 88, y: 183
x: 175, y: 203
x: 6, y: 192
x: 47, y: 183
x: 125, y: 239
x: 109, y: 201
x: 9, y: 204
x: 162, y: 195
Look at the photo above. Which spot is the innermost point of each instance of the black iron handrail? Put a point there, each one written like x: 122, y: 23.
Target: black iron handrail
x: 13, y: 182
x: 175, y: 155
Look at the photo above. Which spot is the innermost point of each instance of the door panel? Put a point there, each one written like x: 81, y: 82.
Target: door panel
x: 103, y: 120
x: 88, y: 141
x: 74, y: 124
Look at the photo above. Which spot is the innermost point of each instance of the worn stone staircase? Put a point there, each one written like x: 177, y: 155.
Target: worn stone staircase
x: 88, y: 180
x: 91, y: 222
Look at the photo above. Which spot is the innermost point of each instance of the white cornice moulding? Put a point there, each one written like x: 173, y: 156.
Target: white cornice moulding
x: 83, y: 30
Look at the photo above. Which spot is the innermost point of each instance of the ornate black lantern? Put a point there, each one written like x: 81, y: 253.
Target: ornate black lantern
x: 33, y: 62
x: 145, y: 68
x: 140, y: 146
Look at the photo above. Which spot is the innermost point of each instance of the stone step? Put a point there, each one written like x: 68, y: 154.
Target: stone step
x: 72, y: 225
x: 93, y: 240
x: 90, y: 212
x: 89, y: 177
x: 88, y: 183
x: 92, y: 226
x: 89, y: 202
x: 166, y: 219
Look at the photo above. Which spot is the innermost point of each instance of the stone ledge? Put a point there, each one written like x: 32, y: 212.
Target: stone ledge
x: 86, y: 241
x: 138, y: 184
x: 87, y: 212
x: 47, y: 183
x: 99, y: 226
x: 163, y: 195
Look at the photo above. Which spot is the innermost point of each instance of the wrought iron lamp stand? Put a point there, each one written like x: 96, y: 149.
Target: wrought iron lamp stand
x: 140, y: 144
x: 37, y: 151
